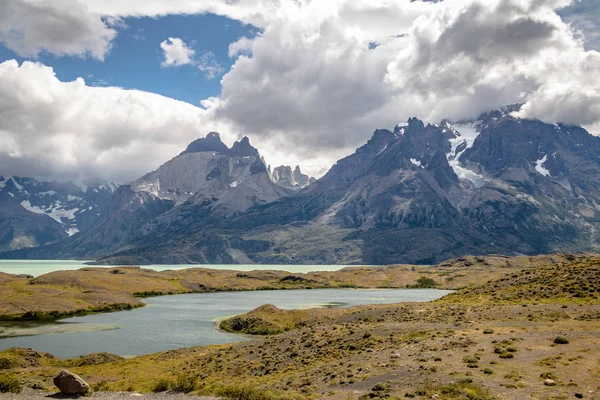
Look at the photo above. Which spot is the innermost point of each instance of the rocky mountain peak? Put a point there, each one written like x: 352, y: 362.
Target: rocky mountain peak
x: 243, y: 148
x: 291, y: 179
x: 211, y: 143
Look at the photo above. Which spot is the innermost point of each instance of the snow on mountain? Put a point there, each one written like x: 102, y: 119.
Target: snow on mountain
x: 68, y: 204
x: 465, y: 134
x: 539, y: 166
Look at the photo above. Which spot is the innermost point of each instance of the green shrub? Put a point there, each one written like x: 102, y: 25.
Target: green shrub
x: 548, y: 375
x: 561, y: 340
x: 245, y: 393
x: 10, y: 385
x: 101, y: 386
x: 488, y: 331
x: 5, y: 363
x: 185, y: 383
x: 163, y: 385
x: 424, y: 283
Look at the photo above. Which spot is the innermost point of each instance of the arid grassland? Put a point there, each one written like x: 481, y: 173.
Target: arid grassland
x: 66, y: 293
x: 519, y: 328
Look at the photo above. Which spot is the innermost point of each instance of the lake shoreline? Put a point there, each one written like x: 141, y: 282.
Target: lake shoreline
x: 525, y: 333
x: 90, y: 290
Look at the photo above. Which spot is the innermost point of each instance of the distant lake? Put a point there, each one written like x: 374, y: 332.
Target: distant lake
x: 172, y: 322
x: 41, y: 267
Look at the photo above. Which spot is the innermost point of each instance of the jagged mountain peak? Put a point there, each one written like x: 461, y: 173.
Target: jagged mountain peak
x: 209, y: 172
x: 243, y: 148
x: 419, y: 193
x: 212, y: 142
x: 291, y: 179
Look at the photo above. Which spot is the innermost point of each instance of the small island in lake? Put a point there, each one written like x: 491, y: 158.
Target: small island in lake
x: 514, y: 327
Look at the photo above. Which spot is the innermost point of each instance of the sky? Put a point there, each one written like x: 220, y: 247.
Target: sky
x: 107, y: 89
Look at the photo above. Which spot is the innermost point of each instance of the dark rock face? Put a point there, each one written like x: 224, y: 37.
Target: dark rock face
x: 293, y: 180
x: 71, y: 384
x: 211, y: 143
x: 421, y: 193
x: 20, y: 228
x: 33, y: 213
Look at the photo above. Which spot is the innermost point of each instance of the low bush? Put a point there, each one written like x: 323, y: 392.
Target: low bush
x: 10, y: 385
x: 245, y: 393
x: 163, y: 385
x: 561, y: 340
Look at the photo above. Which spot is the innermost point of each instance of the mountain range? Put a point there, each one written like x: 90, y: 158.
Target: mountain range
x: 420, y: 193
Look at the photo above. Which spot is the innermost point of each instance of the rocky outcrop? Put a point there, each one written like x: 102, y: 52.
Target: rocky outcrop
x: 293, y: 180
x: 71, y: 384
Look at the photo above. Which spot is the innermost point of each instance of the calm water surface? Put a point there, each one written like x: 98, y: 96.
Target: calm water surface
x: 40, y: 267
x: 172, y: 322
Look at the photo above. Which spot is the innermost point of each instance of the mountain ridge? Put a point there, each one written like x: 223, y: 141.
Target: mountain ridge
x: 418, y: 194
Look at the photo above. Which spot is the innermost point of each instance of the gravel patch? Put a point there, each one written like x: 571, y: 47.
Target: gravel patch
x: 38, y: 394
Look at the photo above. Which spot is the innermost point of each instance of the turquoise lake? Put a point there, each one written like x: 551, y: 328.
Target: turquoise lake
x: 172, y: 322
x: 40, y: 267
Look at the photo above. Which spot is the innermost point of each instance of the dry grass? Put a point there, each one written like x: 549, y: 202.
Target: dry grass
x: 454, y: 348
x: 64, y: 293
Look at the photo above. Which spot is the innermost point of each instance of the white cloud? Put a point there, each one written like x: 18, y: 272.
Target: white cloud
x: 176, y: 53
x: 61, y: 27
x: 312, y: 83
x: 584, y: 15
x: 68, y: 130
x: 312, y: 86
x: 208, y: 64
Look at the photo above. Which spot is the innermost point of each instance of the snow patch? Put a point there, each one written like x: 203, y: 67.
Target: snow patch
x: 72, y: 231
x: 48, y: 193
x: 465, y: 135
x: 539, y: 166
x: 73, y: 198
x: 56, y: 212
x: 416, y: 162
x: 3, y: 182
x: 234, y: 184
x: 19, y: 187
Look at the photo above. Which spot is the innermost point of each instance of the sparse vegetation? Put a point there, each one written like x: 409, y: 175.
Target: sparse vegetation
x: 245, y: 393
x: 377, y: 351
x: 10, y: 385
x: 424, y: 283
x: 561, y: 340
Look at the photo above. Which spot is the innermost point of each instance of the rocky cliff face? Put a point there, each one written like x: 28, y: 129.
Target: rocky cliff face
x: 420, y: 193
x: 209, y: 172
x: 293, y: 180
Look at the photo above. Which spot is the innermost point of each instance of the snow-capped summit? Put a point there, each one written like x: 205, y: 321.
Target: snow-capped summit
x: 69, y: 208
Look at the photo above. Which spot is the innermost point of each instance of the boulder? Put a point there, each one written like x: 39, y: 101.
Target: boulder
x: 549, y: 382
x: 71, y: 384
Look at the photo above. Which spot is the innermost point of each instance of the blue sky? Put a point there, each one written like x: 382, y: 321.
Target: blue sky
x: 134, y: 61
x: 307, y: 88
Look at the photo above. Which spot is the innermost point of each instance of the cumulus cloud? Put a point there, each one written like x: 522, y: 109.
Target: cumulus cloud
x: 61, y: 27
x: 314, y: 82
x: 176, y: 53
x: 68, y: 130
x: 322, y: 75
